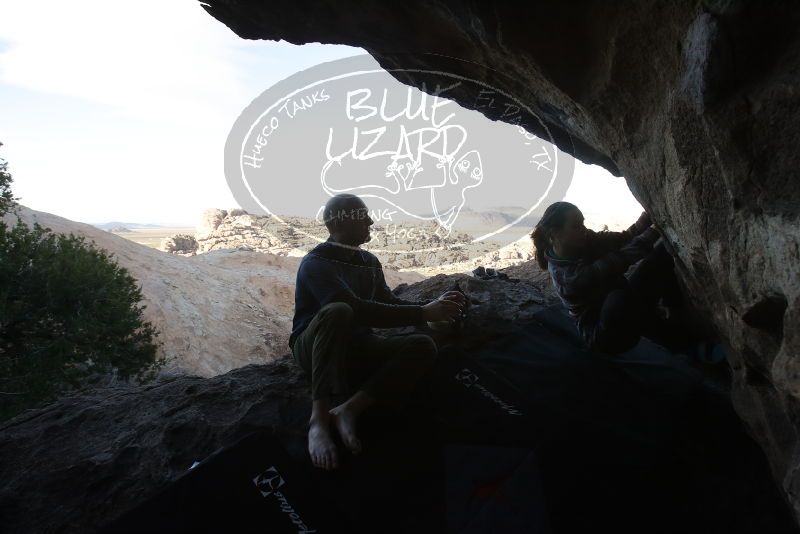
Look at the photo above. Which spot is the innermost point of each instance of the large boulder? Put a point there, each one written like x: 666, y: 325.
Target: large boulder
x: 78, y: 463
x: 694, y: 103
x: 210, y: 219
x: 182, y: 244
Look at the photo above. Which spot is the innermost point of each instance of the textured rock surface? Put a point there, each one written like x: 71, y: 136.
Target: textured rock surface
x: 694, y: 102
x: 496, y: 307
x: 76, y: 464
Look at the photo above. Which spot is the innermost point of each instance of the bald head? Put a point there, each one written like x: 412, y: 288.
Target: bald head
x: 340, y: 208
x: 347, y: 219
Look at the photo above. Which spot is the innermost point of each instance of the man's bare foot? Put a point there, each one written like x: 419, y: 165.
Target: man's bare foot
x: 321, y: 446
x: 344, y: 419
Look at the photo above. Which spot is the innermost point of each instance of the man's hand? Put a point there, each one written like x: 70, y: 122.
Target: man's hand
x: 454, y: 295
x: 448, y: 306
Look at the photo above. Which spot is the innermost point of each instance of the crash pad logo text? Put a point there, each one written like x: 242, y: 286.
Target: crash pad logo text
x: 470, y: 380
x: 269, y: 483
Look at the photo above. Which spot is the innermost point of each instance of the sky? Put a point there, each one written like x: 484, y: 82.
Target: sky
x: 119, y: 111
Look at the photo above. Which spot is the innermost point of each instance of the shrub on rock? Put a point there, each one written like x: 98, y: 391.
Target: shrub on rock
x: 68, y: 314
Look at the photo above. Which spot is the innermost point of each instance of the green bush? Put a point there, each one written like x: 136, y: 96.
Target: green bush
x: 68, y: 314
x: 6, y: 199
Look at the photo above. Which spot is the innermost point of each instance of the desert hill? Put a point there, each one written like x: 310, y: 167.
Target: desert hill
x: 216, y: 311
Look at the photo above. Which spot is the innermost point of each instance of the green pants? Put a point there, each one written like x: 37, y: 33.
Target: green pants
x: 385, y: 367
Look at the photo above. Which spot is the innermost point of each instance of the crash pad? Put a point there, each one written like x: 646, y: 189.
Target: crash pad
x: 250, y: 486
x: 530, y: 432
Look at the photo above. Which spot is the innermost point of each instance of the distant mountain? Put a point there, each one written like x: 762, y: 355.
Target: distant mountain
x: 113, y: 225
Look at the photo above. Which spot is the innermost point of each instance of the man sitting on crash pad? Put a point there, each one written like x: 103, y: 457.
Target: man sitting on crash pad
x: 340, y: 294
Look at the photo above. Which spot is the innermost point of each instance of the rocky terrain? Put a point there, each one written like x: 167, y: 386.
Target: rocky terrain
x: 294, y: 236
x: 236, y: 229
x: 215, y: 311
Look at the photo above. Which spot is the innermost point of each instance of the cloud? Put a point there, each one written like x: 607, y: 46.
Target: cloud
x: 129, y: 105
x: 148, y: 57
x: 116, y: 108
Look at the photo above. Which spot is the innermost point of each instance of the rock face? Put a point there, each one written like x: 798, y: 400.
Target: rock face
x: 223, y: 229
x: 695, y: 103
x: 113, y: 463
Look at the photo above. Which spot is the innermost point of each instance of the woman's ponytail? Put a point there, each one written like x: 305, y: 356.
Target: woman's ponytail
x: 552, y: 218
x: 541, y: 242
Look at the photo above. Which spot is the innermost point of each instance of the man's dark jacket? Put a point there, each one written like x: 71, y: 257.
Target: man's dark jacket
x: 334, y: 273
